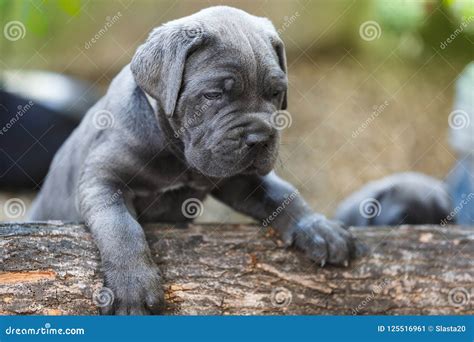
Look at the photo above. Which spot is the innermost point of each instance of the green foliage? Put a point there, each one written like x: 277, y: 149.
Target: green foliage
x: 34, y: 18
x: 463, y: 13
x: 38, y: 16
x: 400, y: 16
x: 71, y: 7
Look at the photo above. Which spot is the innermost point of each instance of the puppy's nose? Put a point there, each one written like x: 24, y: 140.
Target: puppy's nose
x: 259, y: 130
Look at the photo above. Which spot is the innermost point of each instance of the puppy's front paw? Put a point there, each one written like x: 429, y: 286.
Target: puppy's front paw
x: 137, y: 289
x: 323, y: 241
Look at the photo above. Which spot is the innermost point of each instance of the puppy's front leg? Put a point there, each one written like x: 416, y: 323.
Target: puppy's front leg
x: 128, y: 266
x: 277, y: 203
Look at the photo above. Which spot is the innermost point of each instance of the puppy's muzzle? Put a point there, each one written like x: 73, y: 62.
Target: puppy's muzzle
x: 260, y: 131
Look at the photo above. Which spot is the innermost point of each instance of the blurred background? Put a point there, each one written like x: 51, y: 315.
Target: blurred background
x: 372, y: 83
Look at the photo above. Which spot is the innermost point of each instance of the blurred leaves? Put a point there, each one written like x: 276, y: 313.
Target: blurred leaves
x: 400, y: 16
x: 38, y: 15
x: 414, y: 28
x: 34, y: 18
x: 71, y: 7
x: 463, y: 12
x: 4, y: 4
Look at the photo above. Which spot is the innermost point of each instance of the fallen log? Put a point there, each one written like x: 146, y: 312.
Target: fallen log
x: 53, y: 268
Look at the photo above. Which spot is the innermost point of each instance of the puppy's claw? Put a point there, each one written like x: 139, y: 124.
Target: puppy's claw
x: 324, y: 241
x: 136, y: 293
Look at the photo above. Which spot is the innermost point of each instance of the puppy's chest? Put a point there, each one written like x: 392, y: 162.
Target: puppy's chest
x: 194, y: 183
x: 170, y: 184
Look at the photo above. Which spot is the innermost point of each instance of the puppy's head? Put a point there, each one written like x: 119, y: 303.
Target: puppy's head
x: 218, y: 76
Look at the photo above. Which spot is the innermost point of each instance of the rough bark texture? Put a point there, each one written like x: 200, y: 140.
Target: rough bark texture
x: 236, y: 269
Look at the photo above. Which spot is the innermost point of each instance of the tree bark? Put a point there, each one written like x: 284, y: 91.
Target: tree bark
x: 53, y: 268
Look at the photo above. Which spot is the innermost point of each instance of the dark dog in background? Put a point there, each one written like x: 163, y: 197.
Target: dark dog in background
x: 413, y: 198
x: 38, y: 112
x: 191, y: 116
x: 403, y: 198
x: 30, y: 134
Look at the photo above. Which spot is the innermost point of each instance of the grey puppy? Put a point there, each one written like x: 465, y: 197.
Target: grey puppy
x: 191, y: 117
x: 401, y: 198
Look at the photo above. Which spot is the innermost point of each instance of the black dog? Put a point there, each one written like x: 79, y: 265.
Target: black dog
x: 402, y: 198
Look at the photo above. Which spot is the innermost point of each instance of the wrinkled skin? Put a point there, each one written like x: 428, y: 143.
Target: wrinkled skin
x: 231, y: 134
x: 191, y: 118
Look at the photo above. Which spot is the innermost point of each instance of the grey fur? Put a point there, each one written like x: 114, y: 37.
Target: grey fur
x: 172, y: 143
x: 402, y: 198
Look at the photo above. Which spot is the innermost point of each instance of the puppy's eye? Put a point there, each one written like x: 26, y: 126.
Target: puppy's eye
x: 213, y: 95
x: 276, y: 93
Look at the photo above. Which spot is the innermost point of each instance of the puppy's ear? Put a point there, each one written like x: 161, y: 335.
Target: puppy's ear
x: 280, y: 51
x: 158, y: 64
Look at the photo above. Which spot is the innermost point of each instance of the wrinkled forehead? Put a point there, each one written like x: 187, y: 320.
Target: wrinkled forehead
x: 249, y: 56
